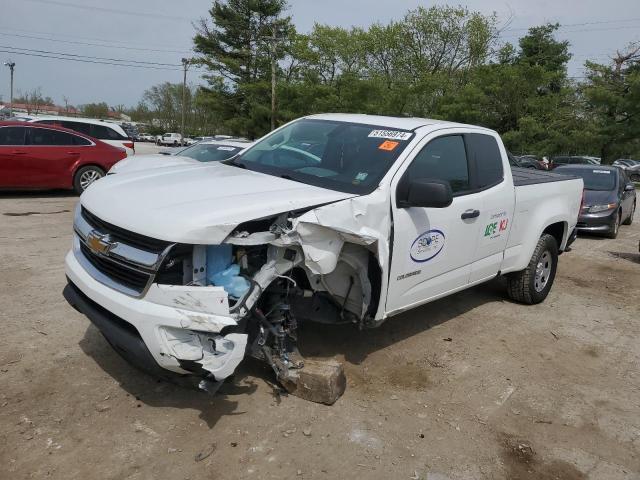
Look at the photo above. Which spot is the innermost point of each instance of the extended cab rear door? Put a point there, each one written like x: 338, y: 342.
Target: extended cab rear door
x: 496, y: 199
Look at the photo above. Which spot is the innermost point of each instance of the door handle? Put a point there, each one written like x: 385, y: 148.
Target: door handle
x: 470, y: 214
x: 73, y: 153
x: 18, y: 152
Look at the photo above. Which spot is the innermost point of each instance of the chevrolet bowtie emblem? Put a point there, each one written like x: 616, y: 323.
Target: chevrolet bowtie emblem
x: 99, y: 243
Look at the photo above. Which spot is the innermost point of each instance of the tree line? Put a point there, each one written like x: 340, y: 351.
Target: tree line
x: 441, y: 62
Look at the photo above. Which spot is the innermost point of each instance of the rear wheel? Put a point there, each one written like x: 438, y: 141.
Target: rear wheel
x: 85, y: 177
x: 629, y: 219
x: 613, y: 231
x: 532, y: 285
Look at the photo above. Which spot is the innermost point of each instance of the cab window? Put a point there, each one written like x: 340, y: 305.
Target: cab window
x: 444, y: 158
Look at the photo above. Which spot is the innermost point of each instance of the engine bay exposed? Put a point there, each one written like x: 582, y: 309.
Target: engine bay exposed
x: 273, y: 284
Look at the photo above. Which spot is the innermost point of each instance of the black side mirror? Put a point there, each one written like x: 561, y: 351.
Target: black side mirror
x: 424, y: 192
x: 629, y: 187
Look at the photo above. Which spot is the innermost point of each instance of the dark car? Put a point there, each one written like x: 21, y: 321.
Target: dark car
x: 35, y: 156
x: 609, y: 198
x: 532, y: 161
x: 573, y: 160
x: 522, y: 163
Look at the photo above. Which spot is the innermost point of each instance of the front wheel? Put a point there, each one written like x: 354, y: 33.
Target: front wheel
x: 615, y: 226
x: 532, y: 285
x: 85, y: 177
x: 629, y: 219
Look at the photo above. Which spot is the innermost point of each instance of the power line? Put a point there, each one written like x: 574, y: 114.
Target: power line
x: 72, y: 42
x: 622, y: 27
x: 91, y: 57
x: 565, y: 25
x: 13, y: 52
x: 110, y: 10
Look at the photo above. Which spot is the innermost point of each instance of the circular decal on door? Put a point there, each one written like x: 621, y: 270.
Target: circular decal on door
x: 427, y: 246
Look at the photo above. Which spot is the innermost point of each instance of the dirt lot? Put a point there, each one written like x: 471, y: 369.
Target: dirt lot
x: 472, y: 386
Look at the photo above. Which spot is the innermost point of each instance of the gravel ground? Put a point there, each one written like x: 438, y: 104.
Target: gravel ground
x: 469, y: 387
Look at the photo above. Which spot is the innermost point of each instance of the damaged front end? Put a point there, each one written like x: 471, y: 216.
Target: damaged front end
x: 249, y: 293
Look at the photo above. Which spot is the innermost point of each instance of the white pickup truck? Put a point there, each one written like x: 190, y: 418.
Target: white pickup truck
x: 331, y: 218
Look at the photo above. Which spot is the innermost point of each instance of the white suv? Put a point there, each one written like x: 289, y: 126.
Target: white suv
x: 173, y: 139
x: 108, y: 132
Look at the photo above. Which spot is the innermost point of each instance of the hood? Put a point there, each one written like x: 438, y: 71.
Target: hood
x: 600, y: 197
x: 146, y: 162
x: 198, y: 204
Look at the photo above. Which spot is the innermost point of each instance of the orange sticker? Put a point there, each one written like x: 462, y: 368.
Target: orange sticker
x: 388, y: 145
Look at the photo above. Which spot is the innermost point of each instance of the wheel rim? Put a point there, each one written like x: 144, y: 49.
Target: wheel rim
x: 88, y: 177
x: 543, y: 271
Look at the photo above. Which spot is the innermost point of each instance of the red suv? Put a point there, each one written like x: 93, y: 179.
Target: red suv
x: 44, y: 156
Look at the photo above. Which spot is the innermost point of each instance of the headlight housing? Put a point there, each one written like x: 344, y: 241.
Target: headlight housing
x: 601, y: 208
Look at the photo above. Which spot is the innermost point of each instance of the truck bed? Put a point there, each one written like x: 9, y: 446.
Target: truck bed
x: 529, y: 176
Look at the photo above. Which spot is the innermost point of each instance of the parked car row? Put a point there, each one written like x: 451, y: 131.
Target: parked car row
x: 41, y: 156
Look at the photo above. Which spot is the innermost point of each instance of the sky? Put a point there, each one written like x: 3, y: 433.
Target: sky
x: 160, y: 33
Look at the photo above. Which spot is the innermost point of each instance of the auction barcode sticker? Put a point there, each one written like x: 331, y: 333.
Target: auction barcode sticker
x: 390, y: 134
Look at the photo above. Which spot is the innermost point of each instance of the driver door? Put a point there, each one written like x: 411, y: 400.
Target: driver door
x: 433, y: 248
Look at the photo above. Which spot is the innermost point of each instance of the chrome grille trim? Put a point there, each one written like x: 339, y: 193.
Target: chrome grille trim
x: 121, y: 256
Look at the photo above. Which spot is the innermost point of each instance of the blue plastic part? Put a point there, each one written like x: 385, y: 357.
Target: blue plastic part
x: 218, y: 259
x: 222, y: 273
x: 235, y: 285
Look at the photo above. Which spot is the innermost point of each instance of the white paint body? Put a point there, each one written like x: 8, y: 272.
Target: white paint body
x: 202, y: 204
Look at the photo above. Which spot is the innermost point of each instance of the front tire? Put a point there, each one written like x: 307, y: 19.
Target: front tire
x: 629, y: 219
x: 532, y: 285
x: 613, y: 231
x: 85, y: 176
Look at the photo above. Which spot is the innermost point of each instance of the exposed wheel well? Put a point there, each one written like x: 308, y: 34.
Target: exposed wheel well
x: 557, y: 231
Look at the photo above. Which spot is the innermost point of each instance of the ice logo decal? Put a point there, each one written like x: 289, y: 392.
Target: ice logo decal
x: 427, y: 246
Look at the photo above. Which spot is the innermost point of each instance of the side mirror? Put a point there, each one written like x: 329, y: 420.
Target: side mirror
x: 629, y: 187
x: 424, y: 192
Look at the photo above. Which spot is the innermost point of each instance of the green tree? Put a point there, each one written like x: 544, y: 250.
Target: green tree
x: 95, y: 110
x: 612, y: 96
x: 235, y: 44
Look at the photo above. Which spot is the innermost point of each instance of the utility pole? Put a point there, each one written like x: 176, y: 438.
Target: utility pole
x: 273, y: 78
x: 11, y: 66
x: 185, y: 65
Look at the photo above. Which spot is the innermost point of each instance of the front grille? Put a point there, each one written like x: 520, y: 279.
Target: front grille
x: 125, y: 236
x: 130, y: 278
x: 581, y: 224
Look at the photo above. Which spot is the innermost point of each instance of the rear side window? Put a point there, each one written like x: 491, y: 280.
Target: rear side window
x: 443, y: 158
x: 80, y: 141
x: 47, y: 137
x: 77, y: 126
x: 12, y: 135
x: 103, y: 132
x: 484, y: 154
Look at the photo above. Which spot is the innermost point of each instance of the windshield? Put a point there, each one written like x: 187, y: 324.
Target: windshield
x: 594, y: 179
x: 348, y: 157
x: 209, y: 152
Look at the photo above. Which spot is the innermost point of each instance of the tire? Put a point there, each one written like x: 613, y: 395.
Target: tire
x: 613, y: 231
x: 85, y: 176
x: 532, y: 285
x: 629, y: 219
